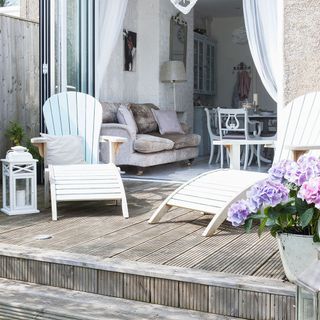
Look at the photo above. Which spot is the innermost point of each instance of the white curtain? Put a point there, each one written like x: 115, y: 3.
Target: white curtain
x: 111, y: 16
x: 263, y: 30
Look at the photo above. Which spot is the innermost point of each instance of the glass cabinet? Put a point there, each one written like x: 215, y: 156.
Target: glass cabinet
x: 203, y: 65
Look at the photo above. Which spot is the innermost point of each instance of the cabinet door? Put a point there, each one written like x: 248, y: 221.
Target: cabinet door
x: 196, y: 66
x: 201, y: 66
x: 211, y: 69
x: 208, y: 69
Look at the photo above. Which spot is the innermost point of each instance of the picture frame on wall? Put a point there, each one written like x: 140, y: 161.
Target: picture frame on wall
x: 130, y: 50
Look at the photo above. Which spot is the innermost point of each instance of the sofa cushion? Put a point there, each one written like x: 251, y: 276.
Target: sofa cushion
x: 109, y: 111
x: 167, y: 121
x: 181, y: 140
x: 144, y: 117
x: 125, y: 116
x: 146, y: 143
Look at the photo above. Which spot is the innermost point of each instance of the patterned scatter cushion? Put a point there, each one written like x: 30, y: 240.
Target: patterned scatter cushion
x: 109, y: 111
x: 144, y: 117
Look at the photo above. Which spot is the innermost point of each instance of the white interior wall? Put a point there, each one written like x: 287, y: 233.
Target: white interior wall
x: 151, y: 20
x: 184, y: 90
x: 228, y: 55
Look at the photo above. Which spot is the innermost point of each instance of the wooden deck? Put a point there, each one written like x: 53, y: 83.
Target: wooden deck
x: 144, y: 262
x: 98, y: 228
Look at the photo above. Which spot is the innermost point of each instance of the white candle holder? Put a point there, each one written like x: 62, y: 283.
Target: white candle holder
x: 19, y: 182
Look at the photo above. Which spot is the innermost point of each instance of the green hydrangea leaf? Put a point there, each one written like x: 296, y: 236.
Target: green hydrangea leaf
x: 306, y: 217
x: 248, y: 225
x: 301, y: 206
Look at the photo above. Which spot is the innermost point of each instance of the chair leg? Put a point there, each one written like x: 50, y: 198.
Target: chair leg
x: 258, y: 155
x: 251, y: 155
x: 124, y: 206
x: 211, y: 153
x: 53, y: 203
x: 221, y: 156
x: 246, y: 157
x: 46, y: 189
x: 218, y: 155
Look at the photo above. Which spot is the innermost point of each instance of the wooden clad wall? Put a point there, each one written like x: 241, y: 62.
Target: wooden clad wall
x: 234, y: 301
x: 19, y: 76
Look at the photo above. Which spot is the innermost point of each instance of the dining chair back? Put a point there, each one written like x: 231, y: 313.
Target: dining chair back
x: 213, y: 130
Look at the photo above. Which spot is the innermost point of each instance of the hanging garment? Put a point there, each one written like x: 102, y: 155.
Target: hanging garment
x: 244, y: 85
x: 235, y: 95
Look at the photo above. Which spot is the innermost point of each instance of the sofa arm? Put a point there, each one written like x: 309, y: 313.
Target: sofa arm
x: 117, y: 130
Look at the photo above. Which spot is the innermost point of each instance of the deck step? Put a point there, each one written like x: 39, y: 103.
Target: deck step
x: 25, y: 301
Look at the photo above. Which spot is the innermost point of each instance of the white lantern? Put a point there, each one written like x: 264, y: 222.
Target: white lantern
x: 19, y: 182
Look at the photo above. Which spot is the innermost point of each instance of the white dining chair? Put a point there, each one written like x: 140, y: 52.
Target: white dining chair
x: 235, y: 124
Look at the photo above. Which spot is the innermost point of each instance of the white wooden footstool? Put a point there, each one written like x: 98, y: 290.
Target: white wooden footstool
x: 86, y: 182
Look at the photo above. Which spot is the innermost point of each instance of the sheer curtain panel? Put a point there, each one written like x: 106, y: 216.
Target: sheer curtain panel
x: 111, y: 15
x: 263, y: 30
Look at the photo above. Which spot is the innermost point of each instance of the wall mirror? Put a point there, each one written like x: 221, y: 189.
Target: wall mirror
x: 178, y: 39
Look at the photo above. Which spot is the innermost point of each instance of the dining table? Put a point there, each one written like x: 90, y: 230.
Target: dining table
x: 233, y: 147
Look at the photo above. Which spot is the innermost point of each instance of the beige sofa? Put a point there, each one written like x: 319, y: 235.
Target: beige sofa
x: 149, y: 147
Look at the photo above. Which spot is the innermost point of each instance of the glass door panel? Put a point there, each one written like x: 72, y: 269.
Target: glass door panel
x: 73, y: 46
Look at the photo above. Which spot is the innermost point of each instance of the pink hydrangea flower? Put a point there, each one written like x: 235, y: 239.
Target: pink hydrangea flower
x: 310, y: 191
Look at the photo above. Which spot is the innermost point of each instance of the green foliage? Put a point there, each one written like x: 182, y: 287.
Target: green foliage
x: 2, y: 3
x: 17, y: 137
x: 15, y: 133
x: 296, y: 216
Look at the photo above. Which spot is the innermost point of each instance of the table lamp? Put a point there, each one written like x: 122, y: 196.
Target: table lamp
x: 173, y: 71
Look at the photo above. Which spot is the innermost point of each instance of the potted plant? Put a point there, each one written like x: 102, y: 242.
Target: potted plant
x: 15, y: 133
x: 288, y: 203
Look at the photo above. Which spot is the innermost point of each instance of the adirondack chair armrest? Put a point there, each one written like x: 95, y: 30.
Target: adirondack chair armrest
x: 300, y: 150
x: 118, y: 130
x: 40, y: 143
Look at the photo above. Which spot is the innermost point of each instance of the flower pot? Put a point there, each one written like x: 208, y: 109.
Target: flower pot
x: 297, y: 253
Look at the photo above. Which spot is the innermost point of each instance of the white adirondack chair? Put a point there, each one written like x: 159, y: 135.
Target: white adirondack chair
x: 214, y: 191
x: 78, y: 114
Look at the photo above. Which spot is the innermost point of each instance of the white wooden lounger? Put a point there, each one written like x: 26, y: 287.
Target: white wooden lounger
x: 211, y: 193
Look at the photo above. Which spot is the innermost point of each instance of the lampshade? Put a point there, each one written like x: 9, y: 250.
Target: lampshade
x: 173, y: 71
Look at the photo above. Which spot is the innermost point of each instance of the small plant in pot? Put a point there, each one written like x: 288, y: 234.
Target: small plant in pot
x: 15, y: 133
x: 288, y: 203
x: 18, y: 137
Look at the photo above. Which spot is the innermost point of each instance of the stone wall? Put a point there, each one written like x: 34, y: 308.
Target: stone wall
x: 301, y: 47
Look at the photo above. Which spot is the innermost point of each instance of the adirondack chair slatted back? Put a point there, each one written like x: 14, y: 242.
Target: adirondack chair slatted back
x: 298, y: 125
x: 78, y: 114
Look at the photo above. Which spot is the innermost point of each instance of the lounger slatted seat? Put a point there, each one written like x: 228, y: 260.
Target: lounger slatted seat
x: 197, y: 194
x: 214, y: 191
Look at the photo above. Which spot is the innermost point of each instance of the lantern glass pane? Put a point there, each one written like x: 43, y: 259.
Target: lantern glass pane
x: 23, y: 192
x: 305, y: 305
x: 7, y: 191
